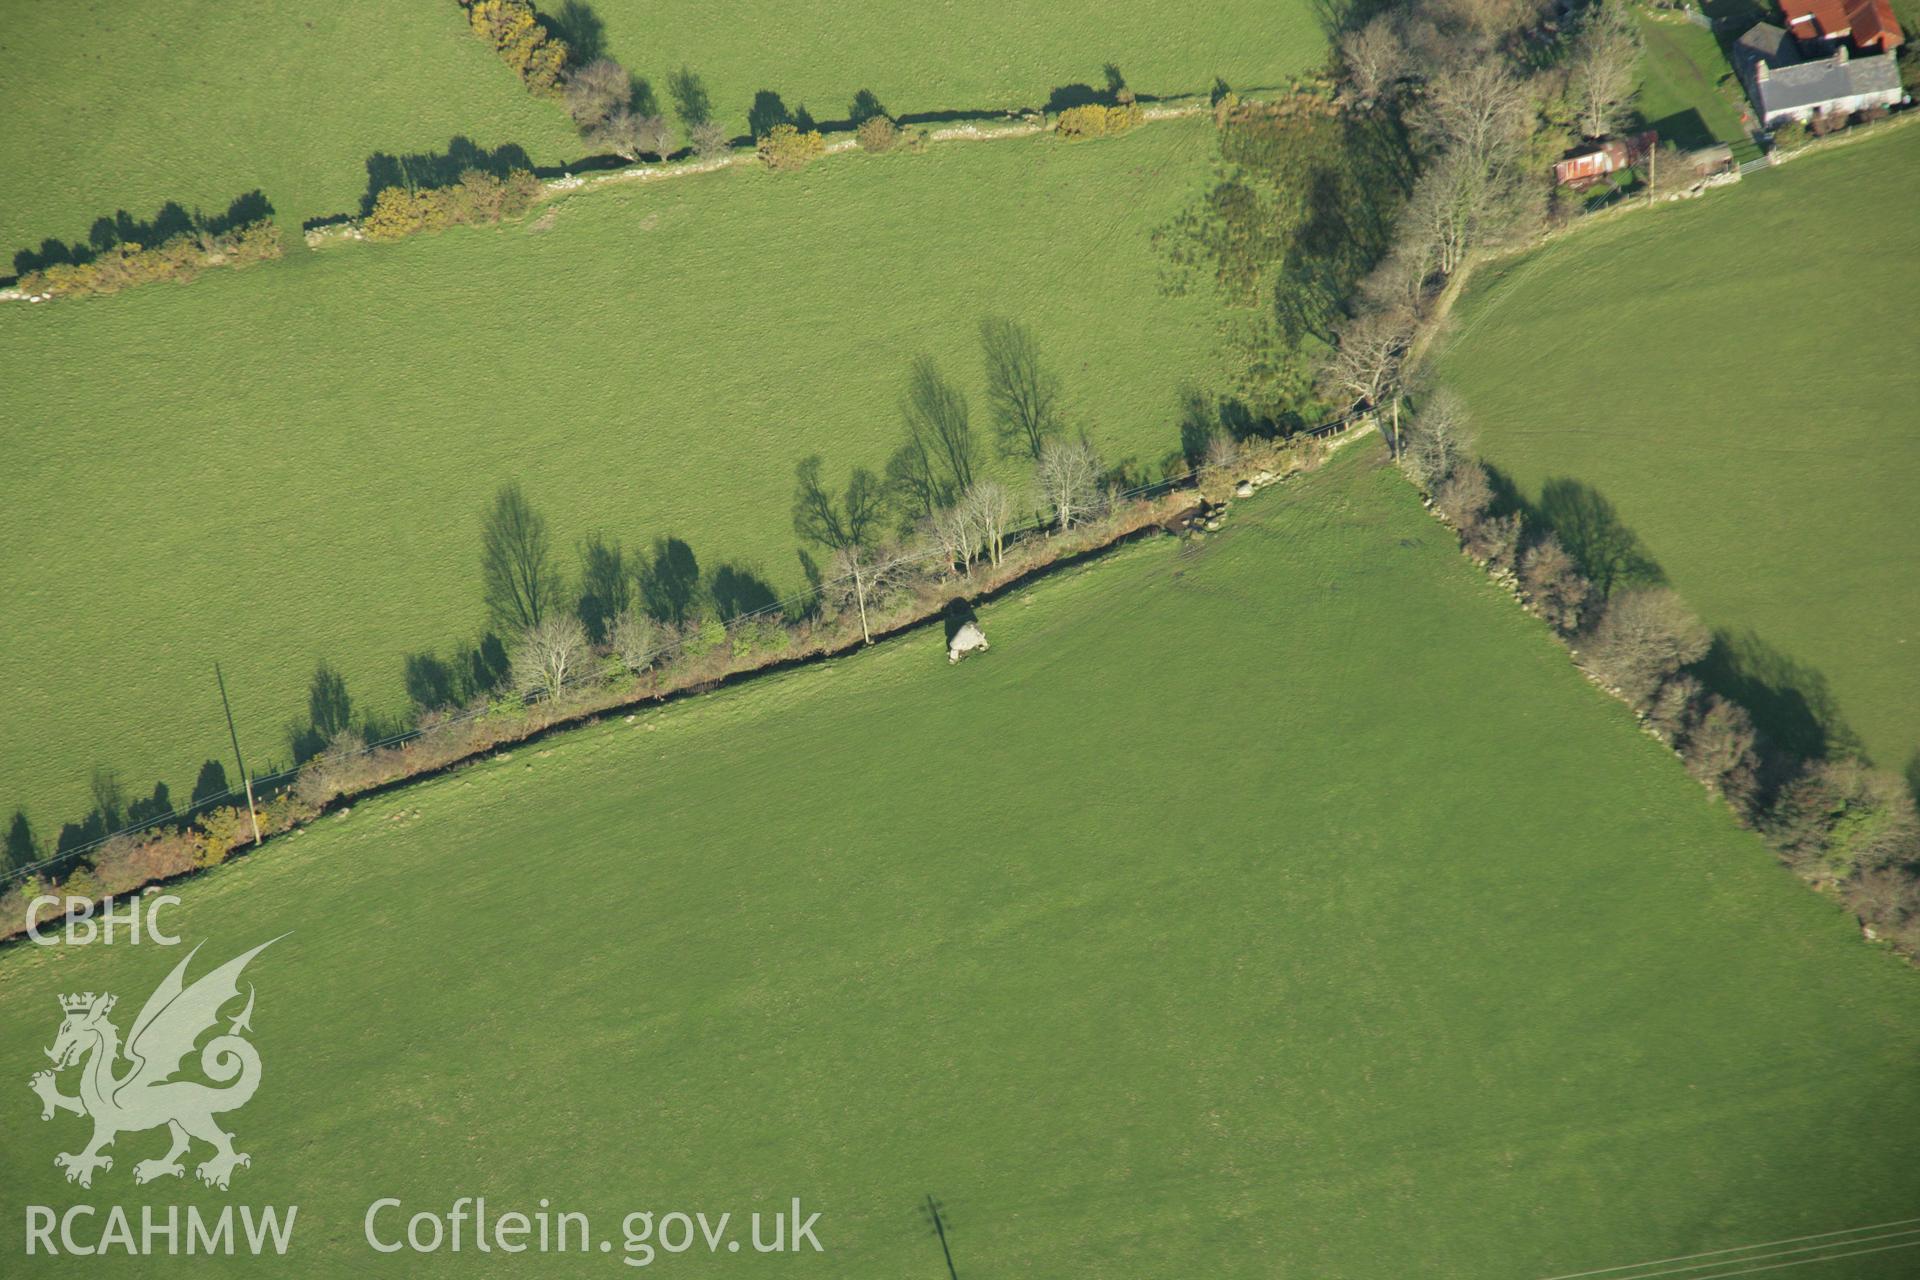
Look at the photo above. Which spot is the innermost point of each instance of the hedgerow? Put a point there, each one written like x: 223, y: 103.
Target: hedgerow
x: 877, y: 133
x: 180, y: 259
x: 523, y: 42
x: 477, y: 198
x: 906, y: 588
x: 1095, y: 120
x: 786, y: 146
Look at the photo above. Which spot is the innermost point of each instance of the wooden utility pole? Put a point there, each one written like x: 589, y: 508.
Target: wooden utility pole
x: 860, y: 595
x: 252, y: 816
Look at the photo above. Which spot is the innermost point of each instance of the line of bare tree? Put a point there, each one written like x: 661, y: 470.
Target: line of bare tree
x: 1490, y: 97
x: 1836, y: 821
x: 936, y: 498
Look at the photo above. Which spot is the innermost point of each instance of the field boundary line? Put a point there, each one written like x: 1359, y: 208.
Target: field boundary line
x: 1141, y: 498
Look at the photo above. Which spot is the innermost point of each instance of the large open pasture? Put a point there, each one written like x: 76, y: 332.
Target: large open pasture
x: 289, y: 463
x: 113, y: 105
x: 1735, y: 376
x: 990, y: 55
x: 1288, y: 906
x: 126, y: 104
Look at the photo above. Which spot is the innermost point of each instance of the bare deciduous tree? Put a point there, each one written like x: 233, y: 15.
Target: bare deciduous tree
x: 1641, y: 639
x: 1222, y: 452
x: 952, y: 532
x: 1494, y: 540
x: 1436, y: 439
x: 1375, y: 57
x: 629, y: 135
x: 1024, y: 394
x: 634, y: 639
x: 1486, y: 21
x: 1554, y: 584
x: 1840, y: 817
x: 1602, y: 74
x: 549, y: 654
x: 652, y: 135
x: 1481, y: 111
x: 596, y: 91
x: 521, y: 584
x: 1458, y: 205
x: 1464, y: 496
x: 844, y: 526
x: 707, y: 139
x: 988, y: 511
x: 1069, y: 477
x: 1364, y: 368
x: 1719, y: 751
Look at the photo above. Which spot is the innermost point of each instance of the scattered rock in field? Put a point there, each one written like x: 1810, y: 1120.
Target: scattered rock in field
x: 1244, y: 489
x: 965, y: 641
x: 631, y: 719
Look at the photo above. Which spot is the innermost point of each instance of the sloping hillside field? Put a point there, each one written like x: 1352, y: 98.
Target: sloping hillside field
x: 288, y: 464
x: 1736, y: 378
x: 1284, y: 907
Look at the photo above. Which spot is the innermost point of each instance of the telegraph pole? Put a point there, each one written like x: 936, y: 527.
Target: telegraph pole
x: 252, y: 817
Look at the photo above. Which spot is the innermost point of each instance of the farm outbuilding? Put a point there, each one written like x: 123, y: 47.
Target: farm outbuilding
x: 1591, y: 163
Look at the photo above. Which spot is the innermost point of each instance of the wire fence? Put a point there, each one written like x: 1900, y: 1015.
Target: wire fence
x: 272, y: 782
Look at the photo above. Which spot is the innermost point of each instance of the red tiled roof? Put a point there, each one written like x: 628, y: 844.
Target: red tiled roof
x: 1874, y: 25
x: 1869, y: 24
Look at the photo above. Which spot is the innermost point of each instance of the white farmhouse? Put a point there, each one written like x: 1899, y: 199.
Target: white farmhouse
x: 1784, y: 86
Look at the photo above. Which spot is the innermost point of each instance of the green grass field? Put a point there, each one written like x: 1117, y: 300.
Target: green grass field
x: 1291, y: 907
x: 289, y: 463
x: 1735, y: 375
x: 980, y: 56
x: 111, y: 106
x: 1679, y: 85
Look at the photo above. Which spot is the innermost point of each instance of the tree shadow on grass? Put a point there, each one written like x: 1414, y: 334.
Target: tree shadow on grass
x: 122, y: 227
x: 767, y: 113
x: 1686, y: 129
x: 581, y: 29
x: 432, y: 169
x: 1609, y: 553
x: 669, y: 581
x: 739, y: 589
x: 1790, y: 701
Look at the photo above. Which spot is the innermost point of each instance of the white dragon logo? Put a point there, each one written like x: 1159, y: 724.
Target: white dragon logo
x: 146, y: 1096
